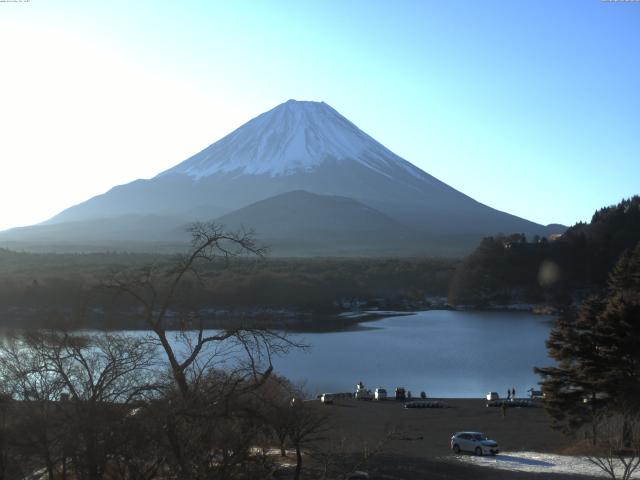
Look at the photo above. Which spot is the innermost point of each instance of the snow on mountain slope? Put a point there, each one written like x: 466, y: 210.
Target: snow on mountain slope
x: 297, y: 146
x: 294, y: 136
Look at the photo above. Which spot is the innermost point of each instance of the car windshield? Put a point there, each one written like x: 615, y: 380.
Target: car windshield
x: 478, y: 436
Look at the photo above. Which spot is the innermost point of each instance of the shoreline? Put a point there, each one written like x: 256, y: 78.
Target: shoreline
x: 273, y: 319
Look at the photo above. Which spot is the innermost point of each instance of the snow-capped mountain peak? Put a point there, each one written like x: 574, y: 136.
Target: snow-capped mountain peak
x: 294, y: 136
x: 301, y: 173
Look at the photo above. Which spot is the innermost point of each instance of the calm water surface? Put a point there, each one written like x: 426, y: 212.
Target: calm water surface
x: 444, y: 353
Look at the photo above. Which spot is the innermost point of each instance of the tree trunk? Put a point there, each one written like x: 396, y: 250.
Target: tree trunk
x: 50, y: 469
x: 178, y: 373
x: 627, y: 434
x: 175, y: 445
x: 298, y: 462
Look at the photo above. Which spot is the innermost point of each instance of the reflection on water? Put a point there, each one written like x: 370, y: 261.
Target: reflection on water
x: 445, y: 353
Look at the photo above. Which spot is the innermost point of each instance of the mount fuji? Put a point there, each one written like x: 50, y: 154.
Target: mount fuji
x: 306, y: 178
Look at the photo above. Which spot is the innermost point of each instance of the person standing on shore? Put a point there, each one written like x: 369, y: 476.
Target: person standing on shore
x: 513, y: 393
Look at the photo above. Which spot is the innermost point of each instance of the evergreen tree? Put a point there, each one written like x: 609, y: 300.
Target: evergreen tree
x: 598, y: 354
x: 618, y: 332
x: 506, y: 267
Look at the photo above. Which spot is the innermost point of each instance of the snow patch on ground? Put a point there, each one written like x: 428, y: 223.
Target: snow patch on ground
x: 536, y: 462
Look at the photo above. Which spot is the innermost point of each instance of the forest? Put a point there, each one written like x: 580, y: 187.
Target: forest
x: 512, y: 269
x: 39, y: 289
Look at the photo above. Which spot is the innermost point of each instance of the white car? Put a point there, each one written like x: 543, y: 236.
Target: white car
x: 326, y: 398
x: 363, y: 394
x: 535, y: 394
x: 492, y: 396
x: 380, y: 394
x: 474, y: 442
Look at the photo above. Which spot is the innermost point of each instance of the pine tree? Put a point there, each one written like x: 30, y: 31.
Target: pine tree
x: 573, y: 395
x: 598, y: 354
x: 618, y: 333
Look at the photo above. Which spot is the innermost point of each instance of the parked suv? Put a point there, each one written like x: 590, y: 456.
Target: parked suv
x: 326, y: 398
x: 475, y: 442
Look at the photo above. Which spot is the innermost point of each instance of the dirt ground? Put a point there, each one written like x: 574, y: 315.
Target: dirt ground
x: 418, y: 446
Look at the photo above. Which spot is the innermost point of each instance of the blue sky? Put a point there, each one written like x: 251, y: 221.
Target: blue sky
x: 529, y: 107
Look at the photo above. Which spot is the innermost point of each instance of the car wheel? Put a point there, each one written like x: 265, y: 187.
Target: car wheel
x: 456, y: 448
x: 478, y: 451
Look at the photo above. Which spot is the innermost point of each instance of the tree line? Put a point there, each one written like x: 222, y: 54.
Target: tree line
x: 39, y: 289
x: 514, y: 269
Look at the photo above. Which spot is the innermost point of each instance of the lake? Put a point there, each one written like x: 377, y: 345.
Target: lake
x: 444, y: 353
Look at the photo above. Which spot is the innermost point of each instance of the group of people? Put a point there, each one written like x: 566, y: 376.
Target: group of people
x: 511, y: 395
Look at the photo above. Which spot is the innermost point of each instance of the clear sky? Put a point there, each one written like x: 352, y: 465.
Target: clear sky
x: 529, y: 107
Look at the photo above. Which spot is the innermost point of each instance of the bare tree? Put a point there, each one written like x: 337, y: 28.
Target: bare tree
x: 209, y: 417
x: 276, y: 398
x: 10, y: 463
x: 342, y: 457
x: 140, y: 453
x: 105, y: 412
x: 618, y: 450
x: 158, y: 291
x: 308, y: 424
x: 74, y: 393
x: 25, y: 377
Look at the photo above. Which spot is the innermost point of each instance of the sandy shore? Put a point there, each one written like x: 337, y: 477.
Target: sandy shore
x: 419, y: 445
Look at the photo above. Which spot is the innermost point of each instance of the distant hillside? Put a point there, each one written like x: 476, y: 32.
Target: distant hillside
x: 129, y: 233
x: 302, y: 222
x: 514, y: 269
